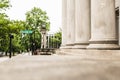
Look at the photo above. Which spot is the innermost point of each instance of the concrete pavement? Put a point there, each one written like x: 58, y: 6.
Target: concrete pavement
x: 59, y: 67
x: 3, y: 59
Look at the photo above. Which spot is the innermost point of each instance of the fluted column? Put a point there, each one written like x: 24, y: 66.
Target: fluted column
x: 119, y: 22
x: 103, y: 29
x: 82, y: 30
x: 64, y: 23
x: 70, y: 23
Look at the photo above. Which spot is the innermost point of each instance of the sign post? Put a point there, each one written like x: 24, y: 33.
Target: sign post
x: 27, y: 32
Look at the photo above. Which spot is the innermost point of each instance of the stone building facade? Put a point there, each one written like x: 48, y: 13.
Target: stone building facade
x: 117, y: 17
x: 90, y: 24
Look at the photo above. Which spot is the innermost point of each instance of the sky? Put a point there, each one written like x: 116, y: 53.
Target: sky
x: 52, y: 7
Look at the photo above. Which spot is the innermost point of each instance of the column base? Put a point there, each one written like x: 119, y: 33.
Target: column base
x: 91, y: 54
x: 63, y: 47
x: 104, y: 46
x: 69, y: 46
x: 80, y: 45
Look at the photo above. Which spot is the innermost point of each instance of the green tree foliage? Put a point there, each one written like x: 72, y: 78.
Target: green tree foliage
x: 4, y: 21
x: 8, y: 27
x: 34, y: 21
x: 11, y: 27
x: 14, y: 28
x: 58, y: 38
x: 4, y: 4
x: 37, y: 17
x: 55, y: 41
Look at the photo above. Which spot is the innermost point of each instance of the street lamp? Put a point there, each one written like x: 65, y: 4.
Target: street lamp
x: 11, y: 37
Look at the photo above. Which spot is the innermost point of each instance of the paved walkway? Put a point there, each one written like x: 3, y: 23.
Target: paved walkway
x: 59, y: 67
x: 3, y: 59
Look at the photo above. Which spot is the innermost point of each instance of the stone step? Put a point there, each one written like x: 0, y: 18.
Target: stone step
x: 91, y: 54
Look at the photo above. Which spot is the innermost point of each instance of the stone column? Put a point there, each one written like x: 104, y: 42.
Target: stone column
x: 44, y: 40
x: 82, y: 30
x: 70, y: 23
x: 119, y: 21
x: 64, y: 23
x: 48, y: 41
x: 103, y: 29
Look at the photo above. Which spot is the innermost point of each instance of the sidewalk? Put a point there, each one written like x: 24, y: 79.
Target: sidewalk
x: 58, y: 67
x: 3, y: 59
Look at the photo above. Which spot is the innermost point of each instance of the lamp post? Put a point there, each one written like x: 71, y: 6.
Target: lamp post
x: 11, y: 37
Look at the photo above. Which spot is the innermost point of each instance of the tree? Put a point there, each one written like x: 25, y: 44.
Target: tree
x: 11, y: 27
x: 55, y: 41
x: 58, y: 38
x: 4, y: 4
x: 8, y: 27
x: 4, y: 21
x: 15, y: 27
x: 36, y: 18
